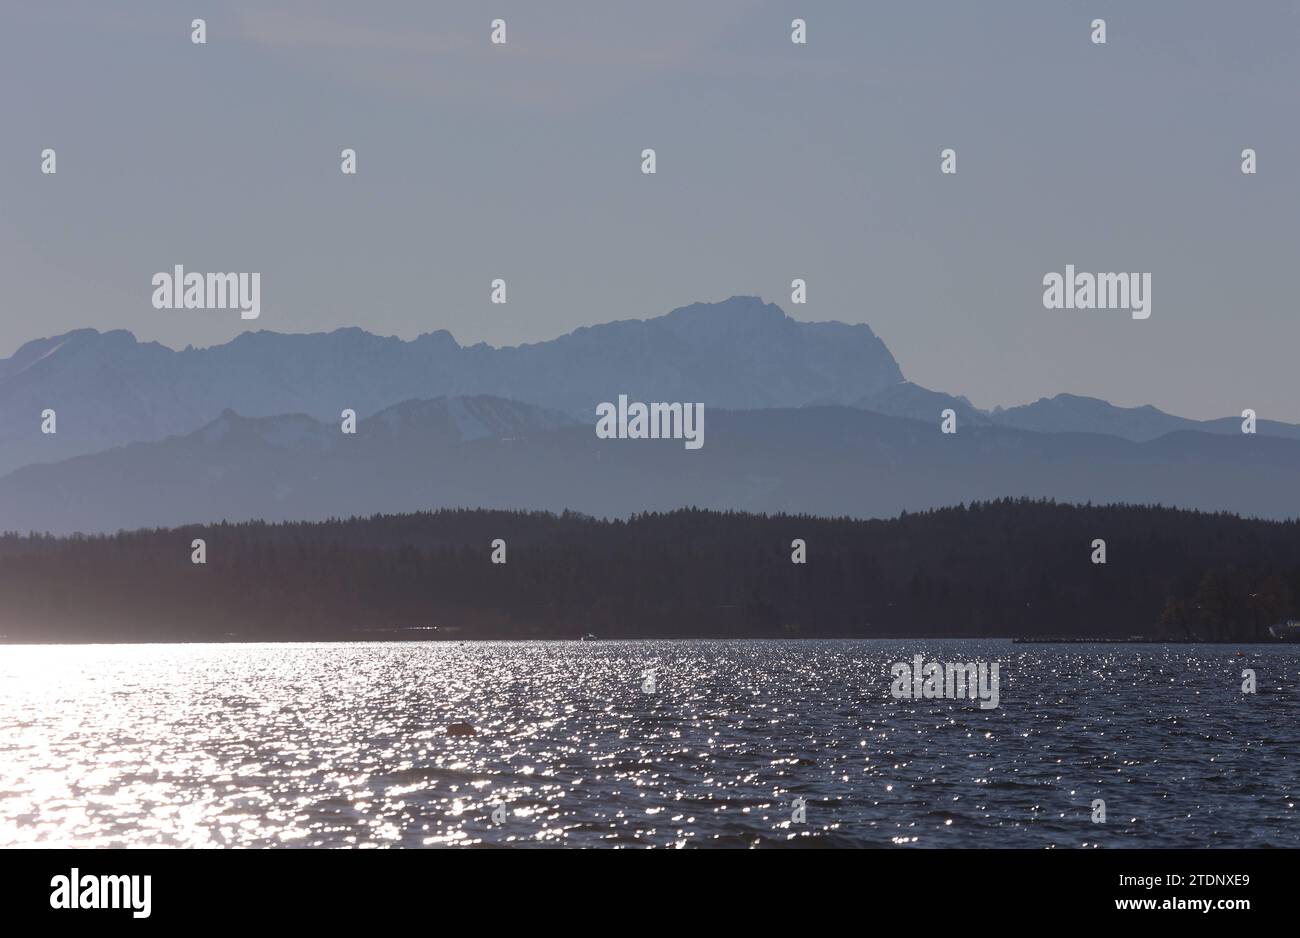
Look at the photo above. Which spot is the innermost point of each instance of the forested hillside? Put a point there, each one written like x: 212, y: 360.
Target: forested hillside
x: 1005, y: 568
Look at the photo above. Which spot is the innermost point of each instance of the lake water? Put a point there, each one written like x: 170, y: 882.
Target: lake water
x: 347, y: 745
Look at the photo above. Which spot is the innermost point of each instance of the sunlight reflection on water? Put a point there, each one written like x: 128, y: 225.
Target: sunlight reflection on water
x: 347, y: 745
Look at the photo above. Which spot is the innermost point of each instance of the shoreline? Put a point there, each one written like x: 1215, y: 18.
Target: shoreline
x: 412, y: 640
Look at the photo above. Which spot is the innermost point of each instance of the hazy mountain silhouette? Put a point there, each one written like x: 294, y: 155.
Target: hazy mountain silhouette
x: 906, y: 399
x: 1069, y: 413
x: 109, y: 389
x: 488, y: 452
x: 250, y: 429
x: 1064, y: 413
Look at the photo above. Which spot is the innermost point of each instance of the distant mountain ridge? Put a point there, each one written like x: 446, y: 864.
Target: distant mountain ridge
x: 494, y: 453
x: 800, y: 417
x: 110, y: 389
x: 1070, y: 413
x: 1064, y: 413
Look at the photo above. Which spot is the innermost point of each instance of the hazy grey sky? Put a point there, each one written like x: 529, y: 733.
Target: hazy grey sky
x: 775, y: 161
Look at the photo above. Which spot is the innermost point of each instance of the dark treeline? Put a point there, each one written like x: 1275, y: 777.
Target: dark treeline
x: 1004, y: 568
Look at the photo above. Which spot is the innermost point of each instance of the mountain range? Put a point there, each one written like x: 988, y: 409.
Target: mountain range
x: 490, y: 452
x: 109, y: 389
x: 801, y: 417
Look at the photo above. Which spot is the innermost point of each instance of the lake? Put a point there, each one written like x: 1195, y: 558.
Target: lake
x: 650, y: 743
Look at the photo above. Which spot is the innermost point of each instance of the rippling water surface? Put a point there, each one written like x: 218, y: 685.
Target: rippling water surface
x: 346, y: 745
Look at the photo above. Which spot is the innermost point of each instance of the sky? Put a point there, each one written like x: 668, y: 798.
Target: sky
x: 774, y: 161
